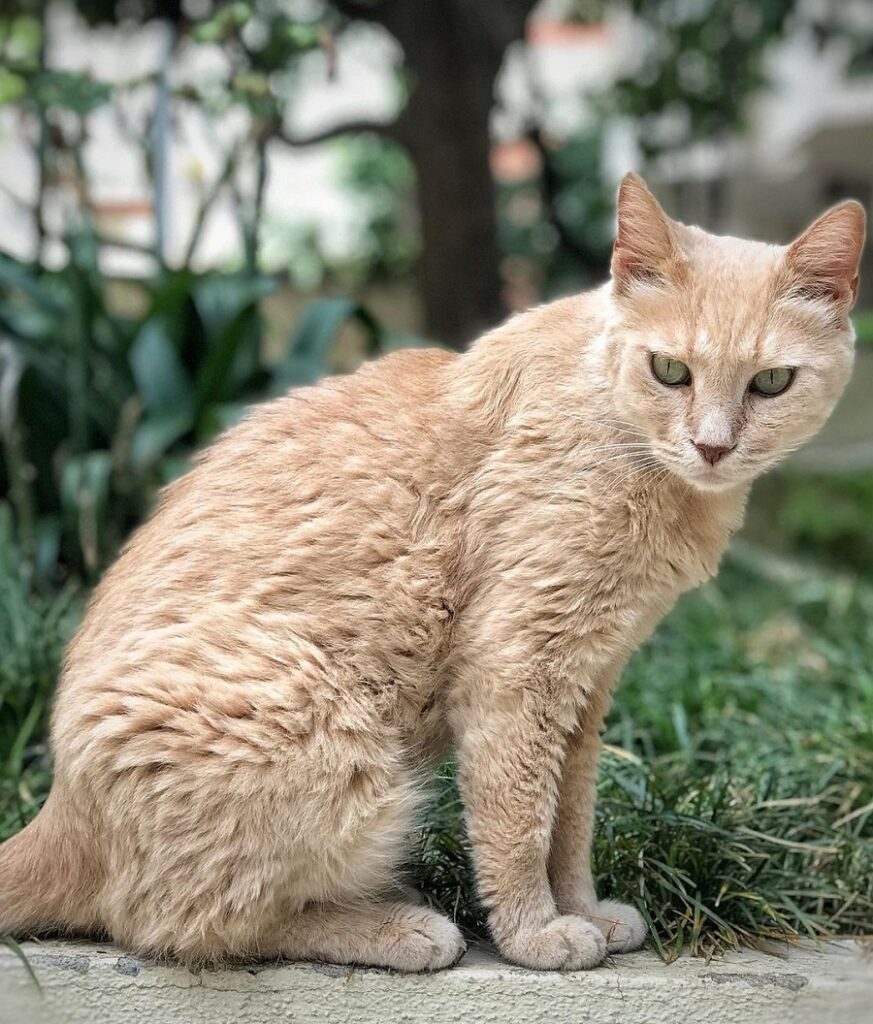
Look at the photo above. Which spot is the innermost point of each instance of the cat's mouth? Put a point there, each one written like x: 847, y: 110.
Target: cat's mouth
x: 700, y: 473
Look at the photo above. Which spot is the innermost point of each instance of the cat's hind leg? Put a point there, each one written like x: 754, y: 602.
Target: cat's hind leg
x: 399, y: 935
x: 275, y: 834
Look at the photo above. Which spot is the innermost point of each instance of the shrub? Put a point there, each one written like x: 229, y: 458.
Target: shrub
x: 99, y: 407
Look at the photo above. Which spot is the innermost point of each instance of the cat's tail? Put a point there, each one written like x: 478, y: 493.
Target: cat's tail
x: 46, y: 880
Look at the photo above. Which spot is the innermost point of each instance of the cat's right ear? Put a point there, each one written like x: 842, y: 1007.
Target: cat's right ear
x: 645, y: 250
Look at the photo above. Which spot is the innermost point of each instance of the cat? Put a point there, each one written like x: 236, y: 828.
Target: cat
x: 438, y: 553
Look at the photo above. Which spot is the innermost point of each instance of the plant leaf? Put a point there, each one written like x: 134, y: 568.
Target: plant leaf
x: 22, y: 956
x: 161, y: 379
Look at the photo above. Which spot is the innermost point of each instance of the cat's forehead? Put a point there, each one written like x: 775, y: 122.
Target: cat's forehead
x: 719, y: 345
x: 725, y: 303
x: 726, y: 311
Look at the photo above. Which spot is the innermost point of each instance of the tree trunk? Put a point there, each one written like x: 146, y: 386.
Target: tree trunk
x: 447, y: 134
x: 454, y: 50
x: 459, y: 269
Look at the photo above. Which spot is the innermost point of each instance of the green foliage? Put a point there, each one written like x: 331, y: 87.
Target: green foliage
x: 34, y: 627
x: 735, y: 793
x: 263, y: 43
x: 314, y: 338
x: 698, y: 64
x: 20, y: 38
x: 821, y: 516
x: 558, y: 225
x: 96, y: 406
x: 24, y: 81
x: 97, y: 12
x: 280, y: 37
x: 262, y: 46
x: 380, y: 175
x: 12, y: 86
x: 66, y: 90
x: 99, y: 407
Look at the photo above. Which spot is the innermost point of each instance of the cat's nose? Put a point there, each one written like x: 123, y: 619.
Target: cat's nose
x: 713, y: 453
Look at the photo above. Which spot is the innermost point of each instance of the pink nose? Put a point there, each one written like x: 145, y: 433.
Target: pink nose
x: 713, y: 452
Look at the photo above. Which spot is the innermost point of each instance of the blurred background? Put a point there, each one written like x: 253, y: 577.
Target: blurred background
x: 184, y: 184
x: 204, y: 203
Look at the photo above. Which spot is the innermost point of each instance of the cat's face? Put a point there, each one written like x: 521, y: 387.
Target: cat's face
x: 727, y: 354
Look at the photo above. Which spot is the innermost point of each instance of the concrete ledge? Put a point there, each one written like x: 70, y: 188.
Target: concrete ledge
x: 83, y: 983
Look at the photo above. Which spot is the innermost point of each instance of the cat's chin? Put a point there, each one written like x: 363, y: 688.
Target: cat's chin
x: 710, y: 480
x: 712, y: 483
x: 715, y: 486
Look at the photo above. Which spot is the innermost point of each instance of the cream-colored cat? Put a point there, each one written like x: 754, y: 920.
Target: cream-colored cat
x: 438, y: 553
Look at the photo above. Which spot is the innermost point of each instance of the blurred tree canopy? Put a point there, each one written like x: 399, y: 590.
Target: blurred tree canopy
x: 698, y: 62
x: 702, y: 62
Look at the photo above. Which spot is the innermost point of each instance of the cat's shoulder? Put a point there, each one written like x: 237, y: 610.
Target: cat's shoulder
x: 405, y: 374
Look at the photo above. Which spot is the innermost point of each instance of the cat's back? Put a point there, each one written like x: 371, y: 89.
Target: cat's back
x: 331, y: 457
x: 306, y: 531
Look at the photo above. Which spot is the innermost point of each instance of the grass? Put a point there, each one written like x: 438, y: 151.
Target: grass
x: 34, y: 627
x: 736, y: 794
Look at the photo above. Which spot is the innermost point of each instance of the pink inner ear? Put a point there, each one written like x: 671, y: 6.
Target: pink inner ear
x: 641, y: 267
x: 823, y: 261
x: 644, y: 245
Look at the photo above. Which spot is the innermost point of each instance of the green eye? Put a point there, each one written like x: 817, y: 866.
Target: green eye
x: 670, y: 371
x: 772, y: 382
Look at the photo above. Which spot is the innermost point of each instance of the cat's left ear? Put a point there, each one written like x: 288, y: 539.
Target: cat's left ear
x: 823, y: 262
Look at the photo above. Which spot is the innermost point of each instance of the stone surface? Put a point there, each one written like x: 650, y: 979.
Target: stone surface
x: 83, y: 983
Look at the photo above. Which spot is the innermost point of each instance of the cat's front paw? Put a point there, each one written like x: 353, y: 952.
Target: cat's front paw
x: 622, y: 926
x: 567, y: 943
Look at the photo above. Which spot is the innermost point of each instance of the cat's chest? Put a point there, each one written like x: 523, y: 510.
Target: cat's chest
x: 626, y: 563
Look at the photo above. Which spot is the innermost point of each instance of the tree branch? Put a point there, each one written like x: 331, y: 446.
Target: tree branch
x: 388, y: 130
x: 207, y: 201
x: 502, y: 23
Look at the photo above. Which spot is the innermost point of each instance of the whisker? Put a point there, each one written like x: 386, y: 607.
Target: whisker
x: 616, y: 458
x: 613, y: 477
x: 616, y: 478
x: 606, y: 421
x: 646, y: 462
x: 627, y: 446
x: 643, y: 469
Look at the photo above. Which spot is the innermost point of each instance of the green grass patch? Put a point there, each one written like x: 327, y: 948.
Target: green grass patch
x: 34, y: 627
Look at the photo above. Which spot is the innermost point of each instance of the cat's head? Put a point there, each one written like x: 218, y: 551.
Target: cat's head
x: 726, y: 354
